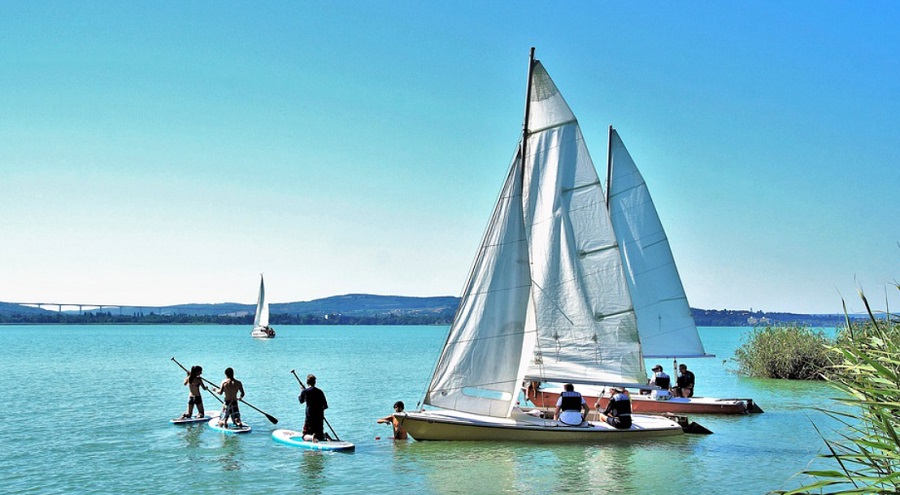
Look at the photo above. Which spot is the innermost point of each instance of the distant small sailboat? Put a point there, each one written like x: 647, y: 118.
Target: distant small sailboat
x: 261, y: 328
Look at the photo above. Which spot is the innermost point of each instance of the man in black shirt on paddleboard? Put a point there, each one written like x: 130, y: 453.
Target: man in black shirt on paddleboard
x: 314, y: 398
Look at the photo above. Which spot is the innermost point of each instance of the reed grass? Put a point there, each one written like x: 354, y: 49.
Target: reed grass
x: 867, y: 450
x: 793, y: 352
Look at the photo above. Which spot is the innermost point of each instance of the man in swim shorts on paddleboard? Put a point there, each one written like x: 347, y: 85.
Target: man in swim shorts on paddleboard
x: 231, y: 388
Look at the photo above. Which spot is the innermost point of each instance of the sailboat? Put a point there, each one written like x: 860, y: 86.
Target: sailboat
x: 546, y: 299
x: 664, y: 321
x: 261, y: 328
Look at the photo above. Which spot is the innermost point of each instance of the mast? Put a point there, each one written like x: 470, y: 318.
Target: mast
x: 527, y: 110
x: 608, y: 164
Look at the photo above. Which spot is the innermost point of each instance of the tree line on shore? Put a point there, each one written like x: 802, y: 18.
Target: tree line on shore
x: 109, y: 318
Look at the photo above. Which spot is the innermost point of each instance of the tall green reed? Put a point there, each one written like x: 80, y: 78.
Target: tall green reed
x: 867, y: 450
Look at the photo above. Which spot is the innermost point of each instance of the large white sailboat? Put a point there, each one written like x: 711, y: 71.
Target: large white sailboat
x: 547, y: 297
x: 261, y: 328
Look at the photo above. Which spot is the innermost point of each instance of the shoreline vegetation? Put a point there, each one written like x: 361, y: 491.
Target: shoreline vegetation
x: 350, y: 309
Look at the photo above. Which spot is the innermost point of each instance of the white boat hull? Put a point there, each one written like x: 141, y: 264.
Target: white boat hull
x: 452, y: 425
x: 262, y: 333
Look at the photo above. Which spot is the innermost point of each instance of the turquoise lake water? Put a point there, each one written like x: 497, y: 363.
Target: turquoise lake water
x: 87, y: 410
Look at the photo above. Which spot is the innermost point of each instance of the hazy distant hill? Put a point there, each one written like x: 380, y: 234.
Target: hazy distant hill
x: 13, y: 309
x: 367, y: 304
x: 357, y: 307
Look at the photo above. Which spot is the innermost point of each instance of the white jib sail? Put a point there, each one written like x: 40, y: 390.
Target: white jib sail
x: 478, y: 371
x: 664, y: 319
x: 262, y: 307
x: 586, y: 326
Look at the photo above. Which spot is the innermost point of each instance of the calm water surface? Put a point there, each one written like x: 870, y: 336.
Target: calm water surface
x: 87, y: 410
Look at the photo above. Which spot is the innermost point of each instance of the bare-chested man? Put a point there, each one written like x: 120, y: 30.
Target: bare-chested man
x: 231, y: 388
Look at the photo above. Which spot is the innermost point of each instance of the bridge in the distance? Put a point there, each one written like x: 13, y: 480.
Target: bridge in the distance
x: 54, y: 306
x: 188, y: 309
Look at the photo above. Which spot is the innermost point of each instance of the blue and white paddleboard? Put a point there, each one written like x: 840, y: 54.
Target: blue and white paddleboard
x: 192, y: 420
x: 295, y: 439
x: 214, y: 424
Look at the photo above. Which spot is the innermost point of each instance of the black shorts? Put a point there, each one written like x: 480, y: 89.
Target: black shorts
x: 619, y: 422
x: 195, y: 401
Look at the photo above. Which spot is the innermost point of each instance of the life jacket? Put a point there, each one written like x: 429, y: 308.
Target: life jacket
x: 662, y: 380
x: 621, y: 405
x: 571, y: 401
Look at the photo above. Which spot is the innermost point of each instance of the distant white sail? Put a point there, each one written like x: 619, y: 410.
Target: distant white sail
x: 262, y: 307
x: 664, y: 319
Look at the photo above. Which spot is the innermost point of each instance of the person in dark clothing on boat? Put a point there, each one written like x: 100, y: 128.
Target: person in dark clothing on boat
x: 660, y: 378
x: 618, y: 411
x: 684, y: 384
x: 314, y: 398
x: 569, y: 407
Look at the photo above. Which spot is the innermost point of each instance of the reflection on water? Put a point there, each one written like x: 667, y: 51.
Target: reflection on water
x: 312, y: 471
x: 230, y: 452
x: 191, y: 435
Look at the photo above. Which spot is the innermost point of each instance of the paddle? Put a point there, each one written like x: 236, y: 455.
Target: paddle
x: 268, y: 416
x: 323, y: 416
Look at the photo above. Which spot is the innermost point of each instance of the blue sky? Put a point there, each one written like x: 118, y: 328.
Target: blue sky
x: 169, y: 152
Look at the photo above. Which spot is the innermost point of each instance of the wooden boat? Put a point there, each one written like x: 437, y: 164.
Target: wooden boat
x: 546, y: 298
x: 545, y: 398
x: 521, y: 427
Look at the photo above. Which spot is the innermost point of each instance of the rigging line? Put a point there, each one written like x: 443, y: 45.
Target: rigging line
x: 495, y: 337
x: 535, y: 284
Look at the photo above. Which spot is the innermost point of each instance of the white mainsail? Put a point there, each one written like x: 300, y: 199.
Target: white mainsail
x: 664, y: 319
x: 546, y: 297
x: 262, y: 307
x: 586, y: 327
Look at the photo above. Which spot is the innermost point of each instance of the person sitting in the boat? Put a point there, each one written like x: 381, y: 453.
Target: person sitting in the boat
x: 684, y: 384
x: 618, y: 411
x: 661, y: 381
x: 569, y: 407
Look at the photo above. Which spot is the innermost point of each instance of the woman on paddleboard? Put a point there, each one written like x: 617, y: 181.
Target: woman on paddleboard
x: 194, y: 383
x: 231, y: 388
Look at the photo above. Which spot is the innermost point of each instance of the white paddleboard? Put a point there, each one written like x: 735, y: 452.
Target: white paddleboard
x: 295, y: 439
x: 192, y: 420
x: 214, y: 424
